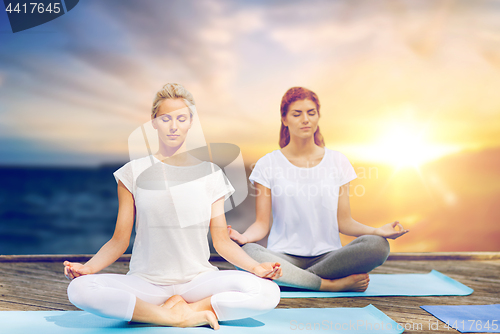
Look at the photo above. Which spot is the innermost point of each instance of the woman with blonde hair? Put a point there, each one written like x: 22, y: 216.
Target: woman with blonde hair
x: 306, y: 186
x: 174, y: 198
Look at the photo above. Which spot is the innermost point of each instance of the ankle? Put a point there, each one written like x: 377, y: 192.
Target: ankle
x: 325, y: 285
x: 203, y: 305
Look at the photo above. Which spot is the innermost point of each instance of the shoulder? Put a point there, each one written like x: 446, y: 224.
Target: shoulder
x: 338, y: 162
x: 137, y: 166
x: 216, y: 175
x: 147, y: 160
x: 336, y: 156
x: 210, y: 166
x: 341, y: 167
x: 210, y: 171
x: 269, y: 158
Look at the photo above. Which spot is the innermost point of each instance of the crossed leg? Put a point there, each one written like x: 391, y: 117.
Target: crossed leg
x: 344, y: 269
x: 223, y: 295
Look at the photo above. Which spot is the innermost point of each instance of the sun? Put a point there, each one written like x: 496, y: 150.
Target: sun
x: 403, y: 147
x: 400, y: 143
x: 403, y: 144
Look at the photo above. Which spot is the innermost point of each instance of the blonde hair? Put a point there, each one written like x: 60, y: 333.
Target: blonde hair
x: 172, y: 91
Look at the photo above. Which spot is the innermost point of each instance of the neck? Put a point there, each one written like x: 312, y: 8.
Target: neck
x: 301, y: 146
x: 173, y: 154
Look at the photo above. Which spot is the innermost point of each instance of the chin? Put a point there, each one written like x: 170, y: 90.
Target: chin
x: 306, y: 135
x: 172, y: 143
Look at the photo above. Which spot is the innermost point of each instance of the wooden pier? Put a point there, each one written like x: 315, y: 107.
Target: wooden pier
x: 37, y: 283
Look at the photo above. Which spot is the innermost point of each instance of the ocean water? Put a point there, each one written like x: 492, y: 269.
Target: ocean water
x: 56, y: 210
x: 70, y: 210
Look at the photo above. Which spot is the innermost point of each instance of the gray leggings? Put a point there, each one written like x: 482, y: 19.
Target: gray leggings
x: 362, y: 255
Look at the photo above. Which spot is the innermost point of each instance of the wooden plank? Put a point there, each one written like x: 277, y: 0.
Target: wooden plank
x: 40, y: 302
x: 49, y: 306
x: 36, y: 285
x: 15, y: 306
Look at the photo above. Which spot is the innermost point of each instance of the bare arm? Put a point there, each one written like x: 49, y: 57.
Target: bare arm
x: 349, y: 226
x: 116, y: 246
x: 260, y: 228
x: 233, y: 253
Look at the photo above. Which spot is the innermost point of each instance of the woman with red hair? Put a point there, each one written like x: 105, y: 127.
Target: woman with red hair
x: 306, y: 186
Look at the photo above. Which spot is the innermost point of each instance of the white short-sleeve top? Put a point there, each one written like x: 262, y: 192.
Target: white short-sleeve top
x: 173, y: 209
x: 304, y: 201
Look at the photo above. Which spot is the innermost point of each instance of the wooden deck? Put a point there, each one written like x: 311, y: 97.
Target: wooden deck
x: 36, y: 283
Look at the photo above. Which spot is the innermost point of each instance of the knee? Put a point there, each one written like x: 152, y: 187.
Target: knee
x: 78, y: 291
x: 379, y: 247
x: 265, y: 292
x: 252, y: 248
x: 270, y: 292
x: 257, y: 252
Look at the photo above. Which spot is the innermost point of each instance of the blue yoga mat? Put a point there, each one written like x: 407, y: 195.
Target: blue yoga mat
x: 430, y: 284
x: 468, y: 318
x: 368, y: 319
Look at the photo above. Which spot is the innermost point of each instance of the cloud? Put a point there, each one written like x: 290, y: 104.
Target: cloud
x: 365, y: 59
x: 298, y: 39
x: 176, y: 36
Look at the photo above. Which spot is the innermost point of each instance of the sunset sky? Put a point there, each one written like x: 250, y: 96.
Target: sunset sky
x: 408, y: 87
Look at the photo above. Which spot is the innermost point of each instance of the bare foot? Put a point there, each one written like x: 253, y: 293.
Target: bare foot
x: 172, y: 301
x: 202, y: 305
x: 186, y: 317
x: 356, y: 282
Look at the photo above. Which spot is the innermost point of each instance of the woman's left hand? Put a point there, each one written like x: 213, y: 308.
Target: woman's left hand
x: 73, y: 270
x: 236, y: 236
x: 268, y: 270
x: 389, y: 231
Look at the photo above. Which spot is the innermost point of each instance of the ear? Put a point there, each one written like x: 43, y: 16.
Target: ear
x: 153, y: 123
x: 283, y: 120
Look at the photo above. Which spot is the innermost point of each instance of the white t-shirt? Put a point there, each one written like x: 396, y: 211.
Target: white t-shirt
x: 304, y: 201
x: 173, y: 209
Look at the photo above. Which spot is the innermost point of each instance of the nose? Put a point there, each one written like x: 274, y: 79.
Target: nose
x: 305, y: 119
x: 173, y: 126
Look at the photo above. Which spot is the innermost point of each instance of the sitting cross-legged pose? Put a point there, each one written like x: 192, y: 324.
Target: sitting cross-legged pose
x: 175, y: 199
x: 306, y: 186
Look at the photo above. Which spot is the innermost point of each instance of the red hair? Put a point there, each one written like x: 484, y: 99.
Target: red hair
x: 292, y: 95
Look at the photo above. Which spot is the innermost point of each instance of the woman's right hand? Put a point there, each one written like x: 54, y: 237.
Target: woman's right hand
x: 239, y: 238
x: 73, y: 270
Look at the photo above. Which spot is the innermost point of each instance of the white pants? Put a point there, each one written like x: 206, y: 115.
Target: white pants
x: 235, y: 294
